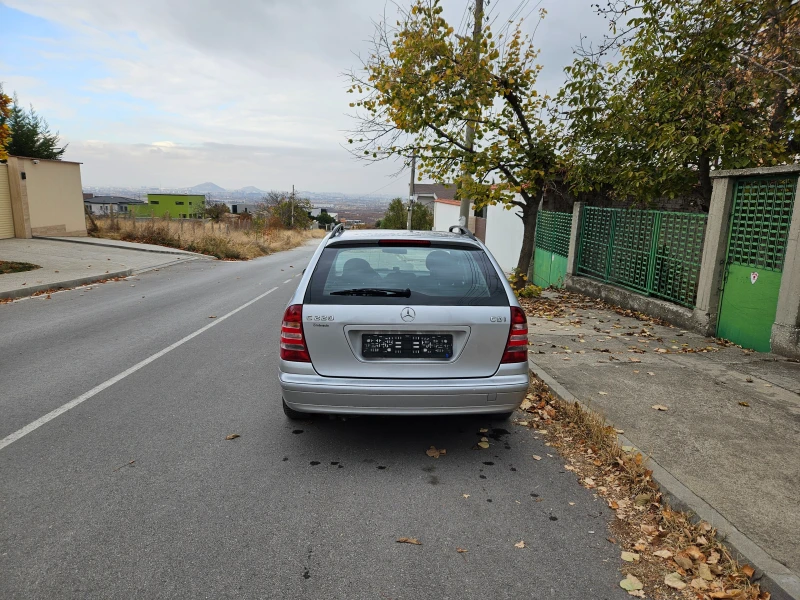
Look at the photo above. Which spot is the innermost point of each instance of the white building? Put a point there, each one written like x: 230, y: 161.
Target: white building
x: 503, y: 233
x: 107, y: 205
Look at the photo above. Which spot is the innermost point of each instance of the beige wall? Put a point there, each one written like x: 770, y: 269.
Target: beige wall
x: 55, y: 197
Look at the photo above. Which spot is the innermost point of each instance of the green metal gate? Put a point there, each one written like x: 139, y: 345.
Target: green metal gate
x: 648, y: 251
x: 553, y: 231
x: 760, y: 219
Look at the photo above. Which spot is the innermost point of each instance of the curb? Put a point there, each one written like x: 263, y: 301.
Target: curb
x: 90, y: 242
x: 61, y: 285
x: 772, y: 575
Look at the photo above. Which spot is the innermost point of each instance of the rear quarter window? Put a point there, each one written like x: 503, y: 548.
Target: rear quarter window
x: 434, y: 275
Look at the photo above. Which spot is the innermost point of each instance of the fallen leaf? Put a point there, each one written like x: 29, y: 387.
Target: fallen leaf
x: 730, y: 594
x: 743, y: 403
x: 704, y: 571
x: 749, y: 379
x: 649, y: 529
x: 675, y: 581
x: 465, y: 495
x: 483, y: 445
x: 640, y: 546
x: 212, y: 316
x: 663, y: 553
x: 537, y: 457
x: 627, y: 448
x: 637, y: 593
x: 407, y: 540
x: 698, y: 584
x: 748, y: 571
x: 232, y: 436
x: 659, y: 407
x: 433, y: 452
x: 483, y: 430
x: 613, y: 505
x: 702, y: 540
x: 695, y: 554
x: 572, y: 504
x: 713, y: 558
x: 634, y: 360
x: 461, y: 550
x: 650, y: 373
x: 629, y: 556
x: 520, y: 544
x: 684, y: 562
x: 631, y: 584
x: 603, y: 393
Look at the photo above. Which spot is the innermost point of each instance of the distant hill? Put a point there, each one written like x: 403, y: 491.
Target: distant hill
x: 250, y: 189
x: 206, y: 187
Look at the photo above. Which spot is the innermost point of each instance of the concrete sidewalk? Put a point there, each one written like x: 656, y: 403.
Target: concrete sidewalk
x: 728, y: 445
x: 65, y: 264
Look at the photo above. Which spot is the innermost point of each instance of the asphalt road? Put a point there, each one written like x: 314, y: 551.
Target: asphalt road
x: 136, y: 493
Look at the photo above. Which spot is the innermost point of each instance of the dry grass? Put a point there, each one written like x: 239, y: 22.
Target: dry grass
x: 229, y: 241
x: 665, y: 542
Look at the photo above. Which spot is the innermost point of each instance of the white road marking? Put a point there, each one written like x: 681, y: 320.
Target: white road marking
x: 287, y: 281
x: 10, y: 439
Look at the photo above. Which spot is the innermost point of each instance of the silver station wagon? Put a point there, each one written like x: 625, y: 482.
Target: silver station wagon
x: 403, y: 323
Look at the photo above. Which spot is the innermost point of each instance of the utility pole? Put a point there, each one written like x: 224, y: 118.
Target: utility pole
x: 411, y: 190
x: 470, y: 137
x: 291, y: 206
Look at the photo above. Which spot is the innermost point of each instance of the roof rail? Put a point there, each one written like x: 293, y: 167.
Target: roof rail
x: 338, y: 230
x: 463, y: 231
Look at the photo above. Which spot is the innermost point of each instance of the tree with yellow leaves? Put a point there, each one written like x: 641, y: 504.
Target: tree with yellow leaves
x: 422, y: 85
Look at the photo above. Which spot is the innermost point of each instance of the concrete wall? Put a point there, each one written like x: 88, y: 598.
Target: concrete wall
x: 785, y: 337
x: 445, y: 215
x: 54, y: 196
x: 504, y: 231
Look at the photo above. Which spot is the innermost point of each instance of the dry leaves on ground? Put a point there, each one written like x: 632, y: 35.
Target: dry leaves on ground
x: 434, y: 452
x: 520, y: 544
x: 677, y: 557
x: 232, y: 436
x: 408, y: 540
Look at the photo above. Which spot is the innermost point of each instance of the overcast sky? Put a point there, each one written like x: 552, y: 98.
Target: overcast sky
x: 173, y: 93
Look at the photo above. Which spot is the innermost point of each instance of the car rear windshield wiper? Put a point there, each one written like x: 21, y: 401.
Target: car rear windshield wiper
x: 406, y: 293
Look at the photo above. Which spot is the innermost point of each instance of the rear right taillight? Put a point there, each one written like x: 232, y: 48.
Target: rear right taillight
x: 517, y: 345
x: 293, y: 343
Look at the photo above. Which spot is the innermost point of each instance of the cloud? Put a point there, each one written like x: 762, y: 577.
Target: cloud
x: 252, y: 88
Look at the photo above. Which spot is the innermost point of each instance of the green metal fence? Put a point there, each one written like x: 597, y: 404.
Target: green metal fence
x: 649, y: 251
x: 553, y: 231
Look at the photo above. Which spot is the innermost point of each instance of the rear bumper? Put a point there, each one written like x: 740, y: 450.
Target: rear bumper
x: 305, y: 391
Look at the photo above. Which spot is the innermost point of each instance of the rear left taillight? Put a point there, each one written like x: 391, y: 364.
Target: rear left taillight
x: 293, y: 342
x: 517, y: 345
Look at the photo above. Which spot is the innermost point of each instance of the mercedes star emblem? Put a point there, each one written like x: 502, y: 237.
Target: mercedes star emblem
x: 407, y: 314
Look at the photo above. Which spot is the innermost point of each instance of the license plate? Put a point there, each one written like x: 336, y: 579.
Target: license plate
x: 406, y: 345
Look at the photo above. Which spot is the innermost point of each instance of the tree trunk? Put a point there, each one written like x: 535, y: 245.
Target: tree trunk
x: 528, y: 237
x: 704, y: 173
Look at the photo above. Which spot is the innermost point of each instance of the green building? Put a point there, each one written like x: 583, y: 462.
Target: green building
x: 177, y: 206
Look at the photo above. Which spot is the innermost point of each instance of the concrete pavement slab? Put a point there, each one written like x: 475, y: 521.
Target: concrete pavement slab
x: 65, y: 265
x: 731, y: 430
x: 92, y: 241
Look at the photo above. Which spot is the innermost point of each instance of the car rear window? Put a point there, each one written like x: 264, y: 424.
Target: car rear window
x: 434, y: 275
